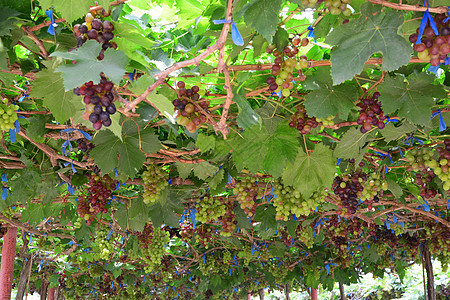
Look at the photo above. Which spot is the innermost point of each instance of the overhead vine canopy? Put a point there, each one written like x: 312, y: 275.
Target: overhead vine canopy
x: 211, y: 148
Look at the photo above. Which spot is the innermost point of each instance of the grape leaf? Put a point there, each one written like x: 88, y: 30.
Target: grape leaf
x: 308, y: 173
x: 216, y: 179
x: 110, y: 152
x: 145, y: 138
x: 352, y: 144
x: 205, y: 142
x: 263, y: 16
x: 391, y: 133
x: 49, y: 86
x: 374, y: 31
x: 71, y: 9
x: 189, y: 10
x: 247, y: 116
x: 184, y: 170
x: 327, y: 100
x: 262, y: 150
x: 88, y: 67
x: 204, y: 170
x: 413, y: 97
x: 7, y: 20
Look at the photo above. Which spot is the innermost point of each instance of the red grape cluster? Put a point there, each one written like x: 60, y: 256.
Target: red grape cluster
x: 432, y: 48
x: 190, y: 107
x: 95, y: 201
x: 95, y: 29
x: 370, y: 113
x: 423, y: 180
x: 284, y: 65
x: 187, y: 230
x: 302, y: 121
x: 348, y: 188
x: 85, y: 146
x: 247, y: 192
x: 443, y: 166
x: 99, y: 100
x: 204, y: 235
x: 228, y: 220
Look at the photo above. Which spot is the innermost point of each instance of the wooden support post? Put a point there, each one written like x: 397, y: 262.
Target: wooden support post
x: 51, y: 294
x: 342, y: 291
x: 7, y: 264
x: 314, y: 294
x: 24, y: 275
x: 261, y: 294
x: 286, y: 291
x: 429, y: 268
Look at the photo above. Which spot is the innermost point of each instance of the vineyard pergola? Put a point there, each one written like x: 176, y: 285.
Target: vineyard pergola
x: 217, y: 149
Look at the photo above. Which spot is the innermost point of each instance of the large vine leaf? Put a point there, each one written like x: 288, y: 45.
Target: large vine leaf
x: 391, y: 132
x: 413, y: 96
x: 310, y: 172
x: 7, y: 20
x: 50, y: 87
x: 375, y: 31
x: 263, y: 16
x: 110, y: 152
x: 71, y: 9
x: 261, y: 150
x: 88, y: 67
x: 352, y: 144
x: 327, y: 100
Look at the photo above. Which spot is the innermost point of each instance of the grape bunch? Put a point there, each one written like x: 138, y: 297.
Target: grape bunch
x: 105, y: 243
x: 422, y: 162
x: 423, y: 180
x: 210, y: 209
x: 305, y: 236
x: 85, y: 146
x: 155, y: 180
x: 204, y: 235
x: 288, y: 200
x: 373, y: 187
x: 336, y: 7
x: 8, y: 115
x: 99, y: 101
x: 247, y: 192
x: 370, y: 113
x: 95, y: 201
x: 349, y: 188
x: 439, y: 237
x: 190, y: 107
x: 187, y: 230
x: 284, y: 65
x: 152, y: 242
x: 328, y: 122
x: 443, y: 165
x: 302, y: 121
x: 228, y: 220
x: 433, y: 49
x: 95, y: 29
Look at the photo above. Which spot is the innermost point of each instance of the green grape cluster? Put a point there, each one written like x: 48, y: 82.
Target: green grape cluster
x: 96, y: 270
x: 288, y: 200
x: 442, y: 165
x: 246, y: 255
x: 305, y: 237
x: 372, y: 187
x: 247, y: 192
x: 398, y: 230
x: 207, y: 266
x: 228, y: 220
x: 8, y: 115
x: 279, y: 271
x: 155, y: 180
x: 153, y: 247
x: 336, y: 7
x: 325, y: 122
x: 226, y: 257
x: 210, y: 209
x: 420, y: 159
x: 104, y: 247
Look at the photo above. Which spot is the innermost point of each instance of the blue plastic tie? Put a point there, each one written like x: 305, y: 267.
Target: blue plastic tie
x: 192, y: 216
x: 23, y: 97
x: 131, y: 75
x: 109, y: 234
x: 410, y: 140
x: 391, y: 120
x: 4, y: 193
x: 4, y: 177
x: 425, y: 206
x: 235, y: 34
x: 311, y: 33
x: 51, y: 27
x: 426, y: 17
x: 277, y: 94
x: 442, y: 125
x: 70, y: 163
x: 401, y: 152
x: 338, y: 161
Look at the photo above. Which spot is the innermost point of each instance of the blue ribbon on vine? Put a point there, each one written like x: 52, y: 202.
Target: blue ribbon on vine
x: 51, y: 27
x: 4, y: 193
x: 442, y: 125
x: 425, y: 206
x: 192, y: 216
x: 12, y: 132
x: 70, y: 188
x: 131, y: 75
x: 383, y: 155
x: 410, y: 140
x: 23, y: 97
x: 67, y: 142
x: 311, y: 33
x: 391, y: 120
x: 235, y: 34
x: 448, y: 18
x: 338, y: 161
x: 426, y: 17
x: 71, y: 163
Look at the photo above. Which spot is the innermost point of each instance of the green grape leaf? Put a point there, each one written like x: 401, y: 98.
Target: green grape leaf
x: 204, y: 170
x: 184, y: 170
x: 88, y: 67
x: 263, y: 16
x: 264, y: 151
x: 36, y: 128
x: 216, y: 179
x: 327, y: 100
x: 7, y: 20
x: 144, y: 137
x: 391, y: 133
x: 71, y: 9
x: 308, y: 173
x: 247, y: 116
x: 50, y: 87
x: 205, y: 142
x: 281, y: 38
x: 110, y: 152
x: 375, y: 31
x: 353, y: 144
x: 189, y: 10
x: 413, y: 97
